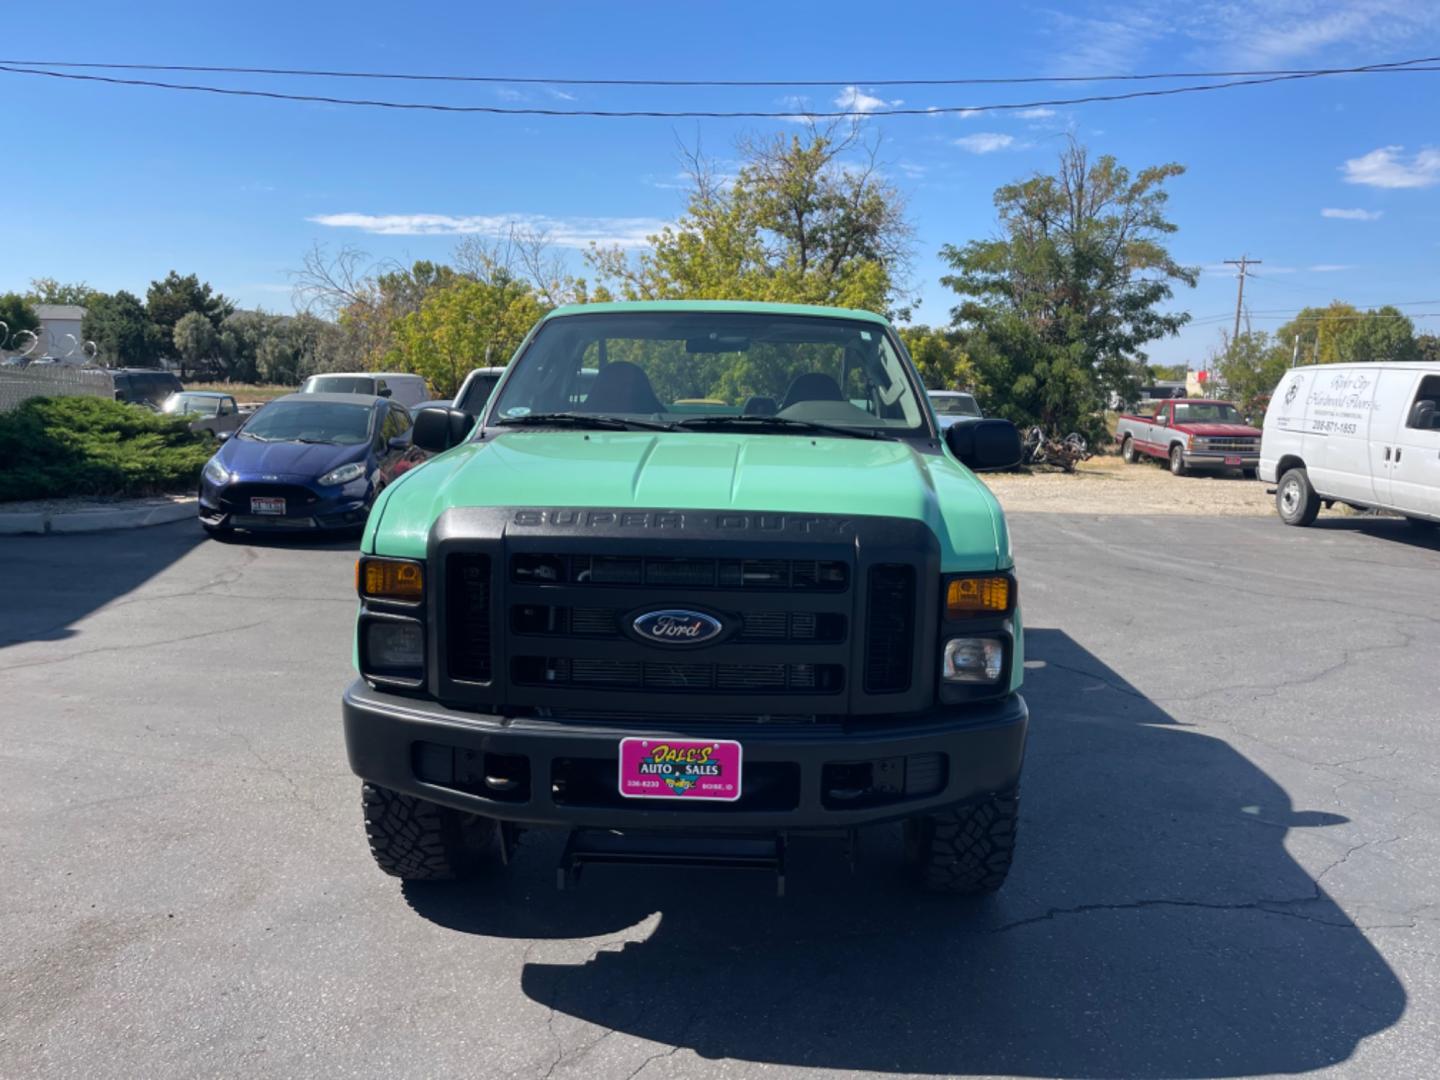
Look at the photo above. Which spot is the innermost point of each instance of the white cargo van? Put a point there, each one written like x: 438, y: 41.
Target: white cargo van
x: 1363, y: 434
x: 408, y: 390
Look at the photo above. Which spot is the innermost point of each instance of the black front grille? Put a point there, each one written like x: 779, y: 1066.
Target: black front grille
x: 589, y: 622
x: 804, y: 575
x: 298, y: 499
x: 661, y: 675
x: 468, y: 650
x: 890, y: 635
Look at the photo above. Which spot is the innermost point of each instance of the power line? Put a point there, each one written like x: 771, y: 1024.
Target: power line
x: 1378, y: 68
x: 679, y: 114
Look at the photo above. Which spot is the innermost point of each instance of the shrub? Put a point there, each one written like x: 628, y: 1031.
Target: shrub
x: 52, y: 447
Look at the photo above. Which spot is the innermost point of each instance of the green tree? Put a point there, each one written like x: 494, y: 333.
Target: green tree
x: 121, y: 330
x: 1075, y: 282
x: 1342, y: 333
x: 196, y: 339
x: 1251, y: 366
x: 1427, y: 348
x: 804, y: 220
x: 47, y: 290
x: 941, y: 359
x: 464, y: 325
x: 17, y: 314
x: 1167, y: 372
x: 170, y: 300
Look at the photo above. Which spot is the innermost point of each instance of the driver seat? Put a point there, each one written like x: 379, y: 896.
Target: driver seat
x: 812, y: 386
x: 621, y: 387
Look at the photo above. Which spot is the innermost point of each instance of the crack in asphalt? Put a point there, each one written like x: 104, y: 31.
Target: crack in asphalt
x: 132, y: 647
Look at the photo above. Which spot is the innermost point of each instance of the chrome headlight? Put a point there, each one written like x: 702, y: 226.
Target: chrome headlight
x: 344, y: 474
x: 973, y: 660
x: 215, y: 472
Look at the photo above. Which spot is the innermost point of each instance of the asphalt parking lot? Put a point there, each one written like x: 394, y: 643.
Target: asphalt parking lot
x: 1229, y: 858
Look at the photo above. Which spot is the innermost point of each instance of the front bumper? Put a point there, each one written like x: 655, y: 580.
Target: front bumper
x: 318, y: 508
x: 564, y: 773
x: 1219, y: 459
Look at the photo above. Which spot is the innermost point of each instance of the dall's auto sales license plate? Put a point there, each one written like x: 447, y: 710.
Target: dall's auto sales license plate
x: 274, y: 507
x: 680, y: 769
x: 1232, y: 461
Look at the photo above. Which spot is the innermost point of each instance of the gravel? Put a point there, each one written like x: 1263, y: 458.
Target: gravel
x: 1109, y: 486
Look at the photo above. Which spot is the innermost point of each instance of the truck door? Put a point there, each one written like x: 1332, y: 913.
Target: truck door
x: 1415, y: 455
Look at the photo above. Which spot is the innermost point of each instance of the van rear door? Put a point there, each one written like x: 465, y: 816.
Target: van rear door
x: 1415, y: 460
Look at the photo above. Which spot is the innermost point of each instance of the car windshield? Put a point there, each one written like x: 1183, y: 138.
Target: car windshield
x: 1207, y: 412
x: 310, y: 421
x: 340, y: 384
x: 955, y: 405
x: 699, y: 368
x: 191, y: 405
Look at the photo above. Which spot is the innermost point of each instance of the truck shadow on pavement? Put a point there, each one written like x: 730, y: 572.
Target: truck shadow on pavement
x: 1154, y: 926
x: 1393, y: 529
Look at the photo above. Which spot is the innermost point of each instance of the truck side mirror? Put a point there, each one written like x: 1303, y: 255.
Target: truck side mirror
x: 982, y: 444
x: 437, y: 430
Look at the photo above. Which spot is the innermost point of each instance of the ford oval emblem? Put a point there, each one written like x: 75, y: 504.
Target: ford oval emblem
x: 675, y: 627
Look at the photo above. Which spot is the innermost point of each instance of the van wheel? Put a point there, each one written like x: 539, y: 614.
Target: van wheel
x: 1127, y: 451
x: 964, y: 850
x: 1295, y: 499
x: 1177, y: 460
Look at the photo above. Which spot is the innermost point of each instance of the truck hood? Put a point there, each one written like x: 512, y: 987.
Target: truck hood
x: 700, y: 471
x: 1234, y: 431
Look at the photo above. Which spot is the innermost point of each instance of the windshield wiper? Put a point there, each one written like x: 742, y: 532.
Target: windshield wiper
x: 599, y: 421
x: 257, y: 438
x: 779, y: 423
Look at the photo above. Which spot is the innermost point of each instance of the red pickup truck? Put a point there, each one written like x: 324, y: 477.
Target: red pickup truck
x: 1191, y: 434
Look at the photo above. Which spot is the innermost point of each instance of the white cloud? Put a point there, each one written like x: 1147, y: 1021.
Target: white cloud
x: 562, y: 232
x: 1329, y: 268
x: 1386, y: 168
x: 558, y: 94
x: 985, y: 142
x: 913, y: 170
x: 508, y: 93
x: 853, y: 99
x: 1350, y: 215
x: 1035, y: 114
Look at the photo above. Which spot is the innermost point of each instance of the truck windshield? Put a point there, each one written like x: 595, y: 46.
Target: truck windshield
x: 667, y: 368
x: 1207, y: 412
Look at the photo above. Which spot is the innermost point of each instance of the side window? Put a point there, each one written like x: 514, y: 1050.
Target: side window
x: 402, y: 420
x: 391, y: 428
x: 1162, y: 416
x: 1424, y: 411
x: 227, y: 406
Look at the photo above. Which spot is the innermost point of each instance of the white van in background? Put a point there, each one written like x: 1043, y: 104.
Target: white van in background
x: 408, y: 390
x: 1363, y: 434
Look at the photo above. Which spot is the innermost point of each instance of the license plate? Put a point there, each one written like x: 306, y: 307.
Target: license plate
x: 1232, y: 461
x: 680, y: 769
x: 267, y: 506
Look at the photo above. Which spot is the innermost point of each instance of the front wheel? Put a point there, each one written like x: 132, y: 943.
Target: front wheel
x: 1295, y: 499
x: 417, y: 840
x: 964, y: 850
x: 1177, y: 460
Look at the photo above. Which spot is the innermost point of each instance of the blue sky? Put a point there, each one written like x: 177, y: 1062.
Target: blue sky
x: 1334, y: 183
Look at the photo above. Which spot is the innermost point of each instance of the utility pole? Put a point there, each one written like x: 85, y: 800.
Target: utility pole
x: 1244, y: 262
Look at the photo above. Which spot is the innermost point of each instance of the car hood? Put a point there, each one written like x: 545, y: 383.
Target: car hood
x: 1238, y: 431
x: 247, y: 457
x: 694, y: 471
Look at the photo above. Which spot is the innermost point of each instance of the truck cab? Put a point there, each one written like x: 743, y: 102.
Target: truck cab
x: 704, y: 577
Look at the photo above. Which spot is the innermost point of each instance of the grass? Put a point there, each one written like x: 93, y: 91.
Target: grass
x: 243, y: 392
x: 63, y: 446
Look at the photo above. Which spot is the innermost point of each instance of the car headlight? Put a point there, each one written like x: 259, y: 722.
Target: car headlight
x: 393, y: 649
x: 344, y: 474
x: 973, y: 660
x: 215, y: 472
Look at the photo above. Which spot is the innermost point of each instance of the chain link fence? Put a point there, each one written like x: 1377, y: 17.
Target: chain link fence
x: 19, y: 384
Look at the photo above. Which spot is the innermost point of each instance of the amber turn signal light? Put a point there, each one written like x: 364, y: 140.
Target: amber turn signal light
x: 390, y: 579
x: 977, y: 596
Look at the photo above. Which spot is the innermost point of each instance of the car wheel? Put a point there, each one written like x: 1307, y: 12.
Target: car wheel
x: 1177, y: 460
x: 417, y: 840
x: 1295, y: 499
x: 965, y: 850
x: 1127, y: 451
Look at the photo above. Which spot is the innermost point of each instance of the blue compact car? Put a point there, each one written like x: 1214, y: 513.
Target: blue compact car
x: 306, y: 462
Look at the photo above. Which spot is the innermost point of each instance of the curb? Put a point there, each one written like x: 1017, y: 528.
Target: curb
x: 97, y: 520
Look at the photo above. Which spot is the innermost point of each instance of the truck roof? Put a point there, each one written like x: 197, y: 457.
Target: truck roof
x: 630, y: 307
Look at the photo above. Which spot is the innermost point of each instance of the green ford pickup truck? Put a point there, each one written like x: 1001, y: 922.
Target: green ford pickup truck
x: 703, y: 577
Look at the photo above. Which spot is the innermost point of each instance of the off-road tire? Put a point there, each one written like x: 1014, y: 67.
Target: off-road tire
x: 1177, y: 460
x: 1295, y: 500
x: 964, y: 850
x: 417, y: 840
x: 1127, y: 451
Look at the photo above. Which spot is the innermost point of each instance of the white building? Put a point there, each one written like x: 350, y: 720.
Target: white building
x: 60, y: 332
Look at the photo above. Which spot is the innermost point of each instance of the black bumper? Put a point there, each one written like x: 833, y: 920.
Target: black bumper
x: 564, y: 773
